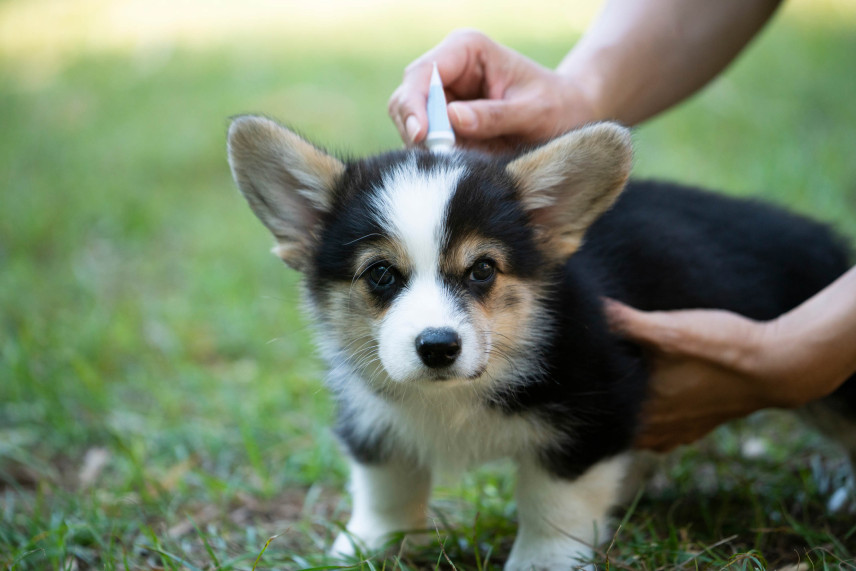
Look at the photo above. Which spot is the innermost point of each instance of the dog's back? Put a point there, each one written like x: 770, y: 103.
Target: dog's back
x: 664, y: 246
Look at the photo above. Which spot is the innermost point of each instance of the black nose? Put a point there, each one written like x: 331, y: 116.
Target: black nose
x: 438, y: 347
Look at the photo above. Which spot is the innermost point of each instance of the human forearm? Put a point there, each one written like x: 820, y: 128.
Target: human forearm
x: 820, y: 334
x: 639, y: 58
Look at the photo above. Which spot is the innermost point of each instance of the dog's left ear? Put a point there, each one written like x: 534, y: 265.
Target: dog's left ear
x: 569, y: 182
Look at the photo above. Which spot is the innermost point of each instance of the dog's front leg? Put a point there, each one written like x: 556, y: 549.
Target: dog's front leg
x: 386, y: 498
x: 560, y: 520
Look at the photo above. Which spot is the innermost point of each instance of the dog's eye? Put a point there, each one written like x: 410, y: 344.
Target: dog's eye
x: 482, y: 271
x: 382, y: 275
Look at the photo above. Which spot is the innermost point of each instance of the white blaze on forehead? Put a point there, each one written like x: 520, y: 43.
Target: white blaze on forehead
x: 411, y: 204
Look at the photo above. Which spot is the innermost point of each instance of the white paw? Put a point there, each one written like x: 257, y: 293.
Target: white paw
x: 548, y: 564
x: 549, y: 556
x: 345, y: 546
x: 363, y: 541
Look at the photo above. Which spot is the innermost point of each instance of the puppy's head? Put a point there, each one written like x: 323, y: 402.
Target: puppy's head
x: 423, y: 267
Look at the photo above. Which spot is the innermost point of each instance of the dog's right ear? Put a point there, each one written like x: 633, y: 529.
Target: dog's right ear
x: 287, y: 181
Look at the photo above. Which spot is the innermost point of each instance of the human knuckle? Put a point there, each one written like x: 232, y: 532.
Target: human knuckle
x: 414, y: 66
x: 467, y: 36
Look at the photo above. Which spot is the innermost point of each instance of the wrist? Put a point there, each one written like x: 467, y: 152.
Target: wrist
x: 606, y: 69
x: 782, y: 359
x: 578, y: 103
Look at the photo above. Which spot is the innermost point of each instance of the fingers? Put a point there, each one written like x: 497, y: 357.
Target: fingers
x: 457, y: 63
x: 496, y: 94
x: 717, y: 336
x: 650, y: 328
x: 488, y: 118
x: 407, y: 109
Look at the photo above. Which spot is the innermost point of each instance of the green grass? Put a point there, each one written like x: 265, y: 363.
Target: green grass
x: 143, y: 320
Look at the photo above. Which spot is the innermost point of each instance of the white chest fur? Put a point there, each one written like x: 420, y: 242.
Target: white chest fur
x: 446, y: 426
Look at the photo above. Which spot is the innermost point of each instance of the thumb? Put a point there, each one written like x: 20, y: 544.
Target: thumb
x: 487, y: 118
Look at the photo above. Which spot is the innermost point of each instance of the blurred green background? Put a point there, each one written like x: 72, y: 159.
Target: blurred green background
x: 154, y: 370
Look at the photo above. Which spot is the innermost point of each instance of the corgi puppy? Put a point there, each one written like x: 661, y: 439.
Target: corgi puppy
x: 457, y: 299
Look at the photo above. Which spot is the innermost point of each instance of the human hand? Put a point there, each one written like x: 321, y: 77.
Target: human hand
x: 710, y: 366
x: 497, y: 97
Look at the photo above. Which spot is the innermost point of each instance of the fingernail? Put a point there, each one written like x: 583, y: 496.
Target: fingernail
x: 462, y: 116
x: 411, y: 126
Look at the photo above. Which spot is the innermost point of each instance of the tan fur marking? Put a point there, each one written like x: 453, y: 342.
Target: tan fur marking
x: 510, y: 322
x: 389, y: 250
x: 463, y: 254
